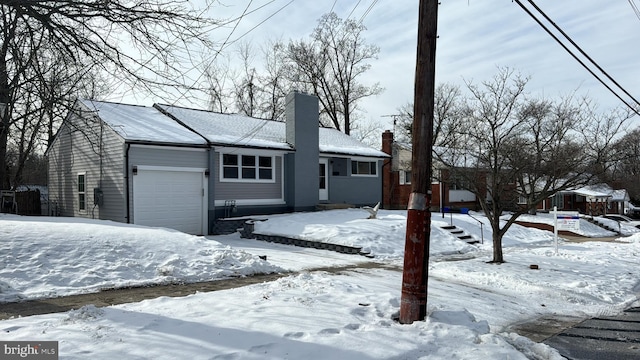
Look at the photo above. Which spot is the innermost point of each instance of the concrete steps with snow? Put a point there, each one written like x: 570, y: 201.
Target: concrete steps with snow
x: 604, y: 226
x: 460, y: 234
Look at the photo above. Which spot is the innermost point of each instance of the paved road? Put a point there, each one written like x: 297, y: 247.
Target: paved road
x: 602, y: 338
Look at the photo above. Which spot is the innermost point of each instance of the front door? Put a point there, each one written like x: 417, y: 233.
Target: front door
x: 324, y: 180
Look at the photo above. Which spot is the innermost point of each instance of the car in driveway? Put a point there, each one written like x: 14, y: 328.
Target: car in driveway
x: 624, y: 220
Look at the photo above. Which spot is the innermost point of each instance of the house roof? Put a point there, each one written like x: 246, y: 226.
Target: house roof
x: 231, y: 129
x: 333, y: 141
x: 144, y: 124
x: 239, y: 130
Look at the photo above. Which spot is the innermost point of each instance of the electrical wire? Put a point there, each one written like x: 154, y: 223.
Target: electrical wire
x: 367, y: 11
x: 577, y: 59
x: 582, y: 51
x: 635, y: 8
x: 354, y: 9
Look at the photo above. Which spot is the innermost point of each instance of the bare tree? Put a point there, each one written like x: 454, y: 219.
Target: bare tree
x: 513, y: 147
x: 448, y: 115
x: 219, y: 78
x: 249, y: 89
x: 93, y: 33
x: 626, y: 170
x: 331, y: 64
x: 274, y: 82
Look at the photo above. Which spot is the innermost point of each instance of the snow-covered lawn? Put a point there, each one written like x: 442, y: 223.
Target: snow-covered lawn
x: 308, y: 315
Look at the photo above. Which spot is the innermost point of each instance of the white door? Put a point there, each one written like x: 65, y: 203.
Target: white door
x: 171, y: 199
x: 324, y: 180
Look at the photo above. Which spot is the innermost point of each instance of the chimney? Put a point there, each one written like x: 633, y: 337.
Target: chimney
x: 387, y: 142
x: 302, y: 133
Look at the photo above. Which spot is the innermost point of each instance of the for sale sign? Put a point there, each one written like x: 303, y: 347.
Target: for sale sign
x: 568, y: 222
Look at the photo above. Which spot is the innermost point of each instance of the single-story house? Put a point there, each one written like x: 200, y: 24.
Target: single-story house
x: 597, y: 199
x: 185, y: 169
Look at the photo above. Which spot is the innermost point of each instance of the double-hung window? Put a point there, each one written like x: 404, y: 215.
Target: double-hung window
x: 240, y: 167
x: 82, y: 194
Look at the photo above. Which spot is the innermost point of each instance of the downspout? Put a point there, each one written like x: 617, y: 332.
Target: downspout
x: 126, y: 181
x: 385, y: 162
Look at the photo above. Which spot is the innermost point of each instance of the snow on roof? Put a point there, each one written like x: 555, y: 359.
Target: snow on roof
x: 600, y: 190
x: 239, y: 130
x: 231, y: 129
x: 619, y: 195
x: 141, y: 123
x: 335, y: 141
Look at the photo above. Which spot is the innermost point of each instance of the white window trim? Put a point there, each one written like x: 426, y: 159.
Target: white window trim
x: 78, y: 192
x: 403, y: 178
x: 257, y: 168
x: 369, y: 160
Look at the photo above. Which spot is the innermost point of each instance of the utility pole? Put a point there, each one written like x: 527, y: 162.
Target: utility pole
x: 413, y: 304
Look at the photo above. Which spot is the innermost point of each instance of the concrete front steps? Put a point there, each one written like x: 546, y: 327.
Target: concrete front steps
x: 460, y: 234
x: 606, y: 227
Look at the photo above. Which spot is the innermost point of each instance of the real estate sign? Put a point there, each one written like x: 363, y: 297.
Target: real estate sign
x: 568, y: 222
x: 564, y: 220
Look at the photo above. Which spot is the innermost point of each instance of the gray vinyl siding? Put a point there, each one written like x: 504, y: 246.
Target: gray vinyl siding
x: 60, y: 180
x: 246, y: 190
x: 356, y: 190
x: 112, y: 183
x: 76, y: 149
x: 153, y: 155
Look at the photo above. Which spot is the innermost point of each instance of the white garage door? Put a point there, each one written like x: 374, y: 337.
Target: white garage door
x: 172, y: 199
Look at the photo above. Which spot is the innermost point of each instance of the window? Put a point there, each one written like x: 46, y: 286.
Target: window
x: 363, y: 167
x: 522, y: 200
x: 82, y: 196
x: 247, y: 168
x: 558, y: 200
x: 405, y: 177
x: 459, y: 182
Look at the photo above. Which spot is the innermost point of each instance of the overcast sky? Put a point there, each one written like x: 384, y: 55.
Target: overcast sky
x: 475, y: 38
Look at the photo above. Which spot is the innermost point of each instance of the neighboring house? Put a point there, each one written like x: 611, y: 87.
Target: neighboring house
x: 591, y: 200
x: 184, y: 169
x: 450, y: 192
x: 447, y: 192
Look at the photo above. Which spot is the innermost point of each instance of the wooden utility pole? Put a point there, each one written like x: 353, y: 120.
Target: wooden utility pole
x: 413, y: 305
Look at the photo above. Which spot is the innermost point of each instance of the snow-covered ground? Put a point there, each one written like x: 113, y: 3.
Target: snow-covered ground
x: 307, y: 315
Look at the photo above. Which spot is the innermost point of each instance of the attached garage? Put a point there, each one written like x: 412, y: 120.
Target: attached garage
x: 170, y: 197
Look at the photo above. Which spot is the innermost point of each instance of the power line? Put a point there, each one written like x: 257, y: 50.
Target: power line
x: 354, y: 9
x: 227, y: 43
x: 582, y: 51
x: 635, y: 8
x: 533, y: 16
x: 368, y: 11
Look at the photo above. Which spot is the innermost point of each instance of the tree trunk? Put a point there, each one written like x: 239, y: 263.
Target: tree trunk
x: 497, y: 248
x: 4, y: 118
